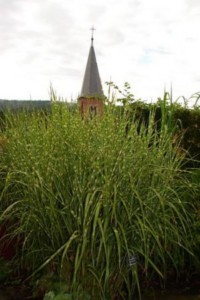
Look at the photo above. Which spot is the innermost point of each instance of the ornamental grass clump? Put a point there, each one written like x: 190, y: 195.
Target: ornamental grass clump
x: 100, y: 202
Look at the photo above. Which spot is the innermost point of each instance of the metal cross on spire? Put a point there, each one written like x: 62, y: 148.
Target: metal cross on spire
x: 92, y: 38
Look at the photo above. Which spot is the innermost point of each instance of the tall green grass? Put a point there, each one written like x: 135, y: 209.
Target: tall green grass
x: 90, y: 195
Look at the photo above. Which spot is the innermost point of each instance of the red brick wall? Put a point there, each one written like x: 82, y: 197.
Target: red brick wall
x: 85, y: 105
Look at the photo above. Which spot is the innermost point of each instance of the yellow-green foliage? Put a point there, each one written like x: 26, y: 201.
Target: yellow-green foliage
x: 88, y: 195
x: 3, y: 143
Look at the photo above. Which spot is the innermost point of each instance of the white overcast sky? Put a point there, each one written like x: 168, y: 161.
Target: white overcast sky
x: 152, y: 44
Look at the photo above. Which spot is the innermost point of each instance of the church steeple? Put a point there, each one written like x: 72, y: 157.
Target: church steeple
x: 91, y: 82
x: 91, y: 93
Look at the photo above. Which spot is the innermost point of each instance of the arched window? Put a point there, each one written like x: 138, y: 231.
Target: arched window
x: 92, y: 111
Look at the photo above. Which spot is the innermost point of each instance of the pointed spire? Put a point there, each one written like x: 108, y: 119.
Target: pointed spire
x: 92, y: 37
x: 91, y: 82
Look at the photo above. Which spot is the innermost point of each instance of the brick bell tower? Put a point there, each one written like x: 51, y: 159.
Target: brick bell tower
x: 91, y: 98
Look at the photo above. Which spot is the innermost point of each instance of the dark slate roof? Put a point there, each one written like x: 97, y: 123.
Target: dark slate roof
x: 91, y: 82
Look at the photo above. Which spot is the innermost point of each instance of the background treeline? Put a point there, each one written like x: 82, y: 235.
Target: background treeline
x: 21, y: 104
x: 190, y: 127
x: 186, y: 122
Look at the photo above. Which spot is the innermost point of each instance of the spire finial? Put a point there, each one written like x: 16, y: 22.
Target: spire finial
x: 92, y: 37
